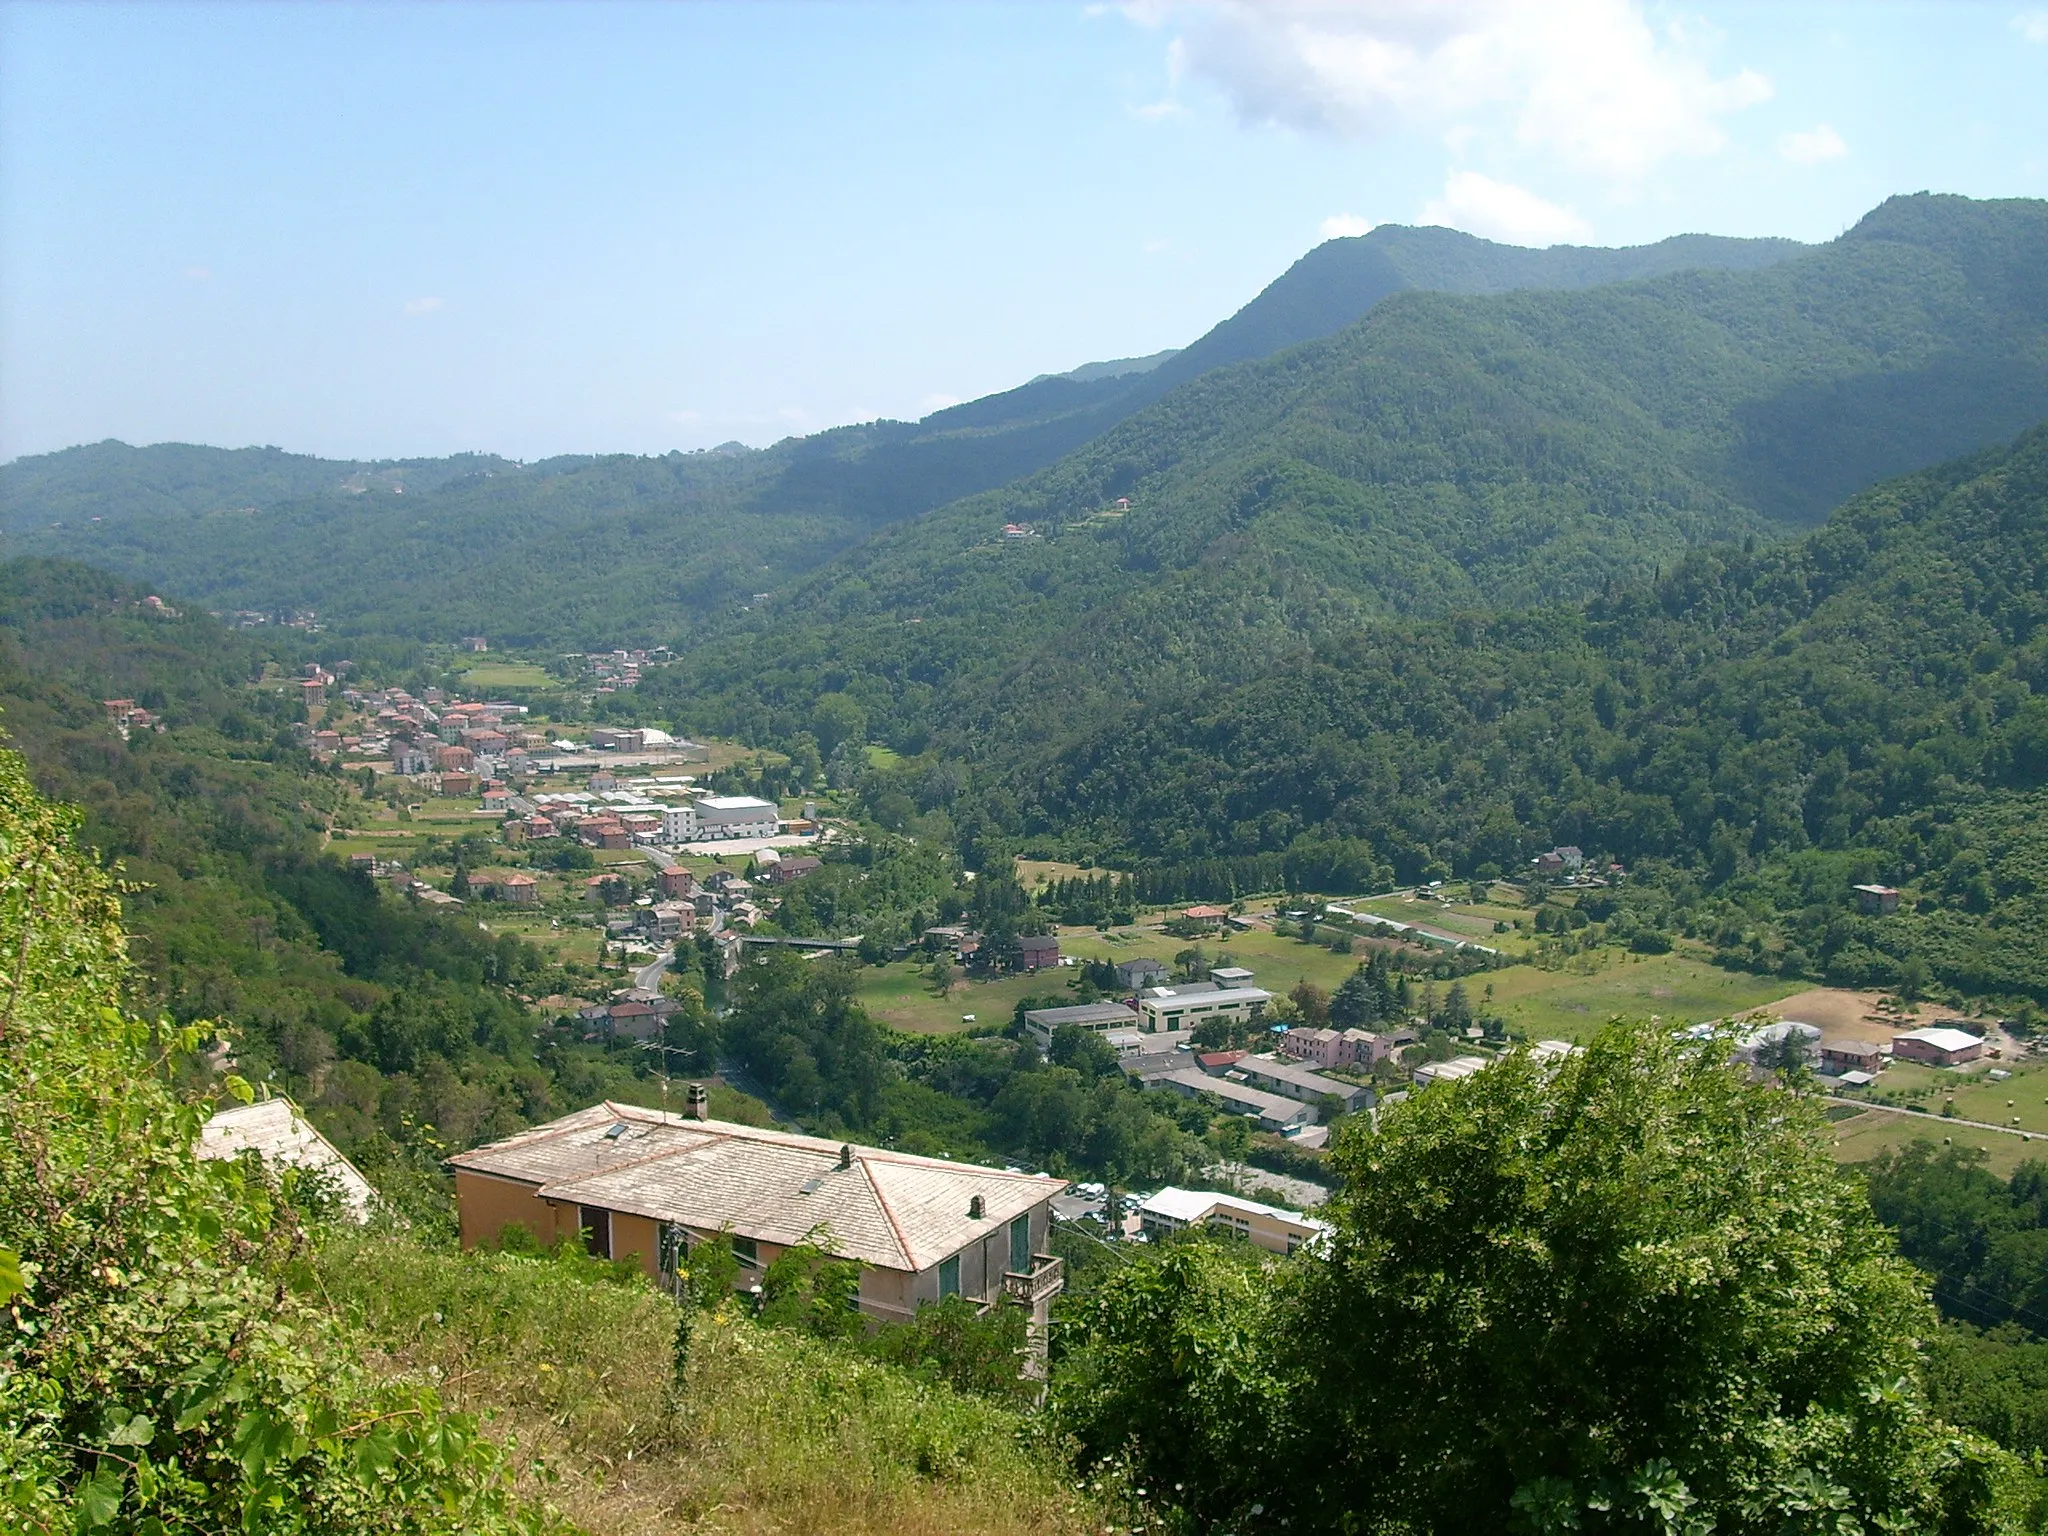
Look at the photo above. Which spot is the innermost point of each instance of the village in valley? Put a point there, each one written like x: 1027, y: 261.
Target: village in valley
x: 610, y: 846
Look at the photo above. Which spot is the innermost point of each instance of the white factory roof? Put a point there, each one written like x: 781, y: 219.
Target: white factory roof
x: 735, y: 803
x: 1206, y: 996
x: 1942, y: 1039
x: 1193, y: 1205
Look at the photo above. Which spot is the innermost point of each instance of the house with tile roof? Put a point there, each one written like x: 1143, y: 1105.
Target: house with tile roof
x: 645, y: 1184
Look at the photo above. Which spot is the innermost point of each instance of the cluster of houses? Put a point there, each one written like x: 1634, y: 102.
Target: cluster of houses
x: 621, y: 669
x: 632, y: 1013
x: 125, y: 715
x: 1152, y: 1034
x: 306, y: 619
x: 424, y: 735
x: 1568, y: 863
x: 606, y: 816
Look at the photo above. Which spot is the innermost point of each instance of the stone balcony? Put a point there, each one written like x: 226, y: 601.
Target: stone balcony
x: 1046, y: 1278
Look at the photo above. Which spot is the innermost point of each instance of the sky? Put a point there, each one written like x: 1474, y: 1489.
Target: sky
x: 379, y: 231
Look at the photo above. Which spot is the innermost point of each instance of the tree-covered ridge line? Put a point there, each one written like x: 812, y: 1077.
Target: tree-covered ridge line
x: 1765, y: 726
x: 1444, y: 453
x: 606, y: 549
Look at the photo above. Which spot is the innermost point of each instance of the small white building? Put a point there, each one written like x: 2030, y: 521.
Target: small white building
x: 678, y: 823
x: 1267, y: 1226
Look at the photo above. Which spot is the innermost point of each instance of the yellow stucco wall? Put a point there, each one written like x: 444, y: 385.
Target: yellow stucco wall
x: 634, y: 1237
x: 487, y: 1206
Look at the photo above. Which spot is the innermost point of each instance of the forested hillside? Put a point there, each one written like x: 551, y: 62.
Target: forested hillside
x: 597, y: 551
x: 1445, y: 453
x: 1751, y: 734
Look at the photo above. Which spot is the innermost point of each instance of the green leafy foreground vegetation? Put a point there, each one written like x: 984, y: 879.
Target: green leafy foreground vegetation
x: 1626, y: 1293
x: 187, y: 1347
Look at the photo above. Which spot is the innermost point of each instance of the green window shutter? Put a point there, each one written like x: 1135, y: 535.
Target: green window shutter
x: 949, y: 1276
x: 1020, y: 1245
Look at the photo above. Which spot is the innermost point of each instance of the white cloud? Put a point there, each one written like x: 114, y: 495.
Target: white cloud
x: 198, y: 274
x: 1480, y: 205
x: 1813, y: 146
x: 1152, y: 111
x: 2032, y: 25
x: 423, y: 306
x: 1341, y: 226
x: 1587, y: 80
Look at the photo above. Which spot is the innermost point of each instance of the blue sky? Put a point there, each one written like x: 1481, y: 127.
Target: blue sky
x: 392, y: 230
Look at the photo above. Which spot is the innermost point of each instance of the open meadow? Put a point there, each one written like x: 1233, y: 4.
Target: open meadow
x: 1861, y: 1137
x: 1573, y: 1002
x: 899, y: 995
x: 1278, y: 964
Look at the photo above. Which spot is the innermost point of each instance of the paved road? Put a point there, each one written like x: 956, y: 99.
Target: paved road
x: 648, y: 977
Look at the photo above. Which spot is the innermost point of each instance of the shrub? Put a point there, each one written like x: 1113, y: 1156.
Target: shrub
x: 155, y: 1371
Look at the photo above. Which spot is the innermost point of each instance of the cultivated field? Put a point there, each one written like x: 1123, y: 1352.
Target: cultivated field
x: 484, y: 676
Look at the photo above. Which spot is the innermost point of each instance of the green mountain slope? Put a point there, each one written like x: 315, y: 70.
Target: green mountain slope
x: 1751, y: 735
x: 1446, y: 452
x: 604, y: 550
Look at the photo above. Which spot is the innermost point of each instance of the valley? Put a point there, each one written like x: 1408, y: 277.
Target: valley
x: 1465, y: 685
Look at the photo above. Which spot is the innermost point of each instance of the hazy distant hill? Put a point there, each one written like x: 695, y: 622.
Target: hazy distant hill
x: 614, y: 548
x: 1445, y: 452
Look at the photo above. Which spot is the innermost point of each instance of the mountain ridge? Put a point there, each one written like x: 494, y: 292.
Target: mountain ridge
x: 800, y: 500
x: 1447, y: 451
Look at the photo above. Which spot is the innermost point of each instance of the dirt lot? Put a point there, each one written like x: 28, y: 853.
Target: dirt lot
x: 1855, y: 1016
x: 1841, y: 1015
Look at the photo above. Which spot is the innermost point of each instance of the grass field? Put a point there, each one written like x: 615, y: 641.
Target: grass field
x: 2023, y: 1096
x: 1572, y: 1006
x: 486, y: 675
x: 899, y: 996
x: 1278, y: 964
x: 575, y: 943
x: 1032, y: 873
x: 1863, y: 1137
x: 1459, y: 919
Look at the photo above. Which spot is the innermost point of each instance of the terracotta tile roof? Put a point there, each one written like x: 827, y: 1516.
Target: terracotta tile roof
x: 889, y: 1209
